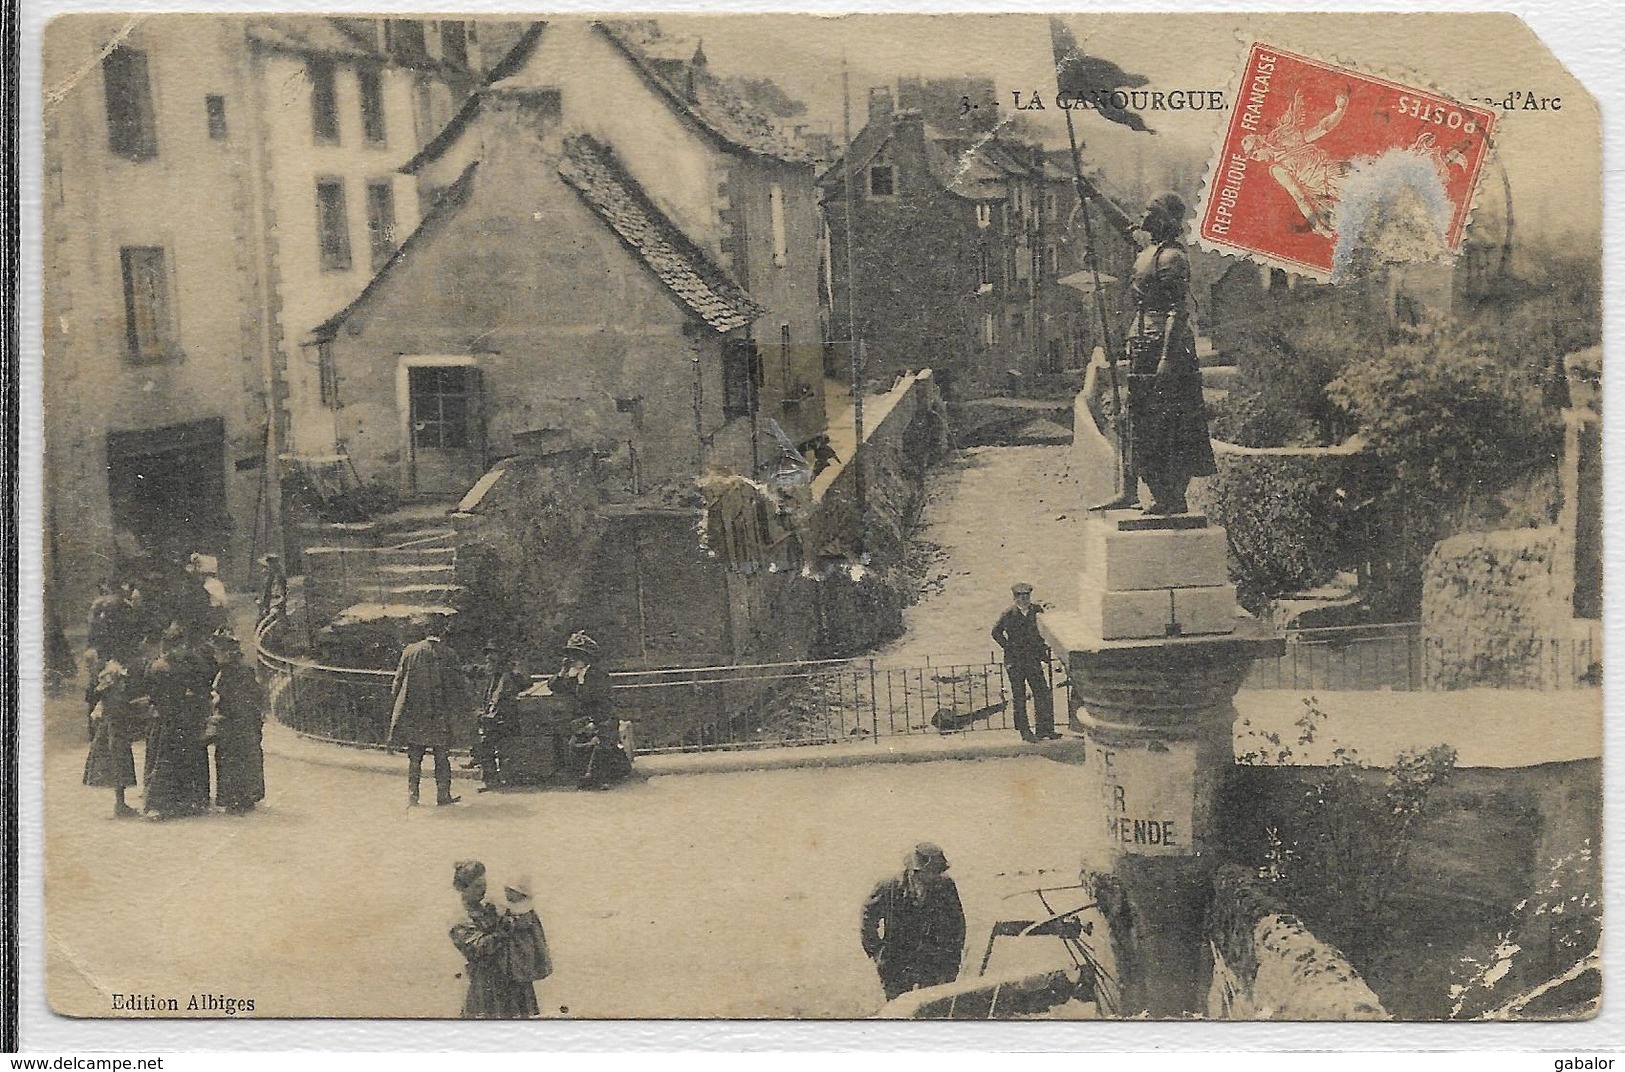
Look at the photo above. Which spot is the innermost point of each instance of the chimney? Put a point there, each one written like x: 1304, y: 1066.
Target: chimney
x: 880, y: 104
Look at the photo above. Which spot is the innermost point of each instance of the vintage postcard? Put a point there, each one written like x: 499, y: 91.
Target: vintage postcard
x: 800, y: 517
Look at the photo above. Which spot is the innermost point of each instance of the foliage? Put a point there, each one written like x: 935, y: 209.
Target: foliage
x: 1338, y: 849
x: 354, y: 502
x: 1548, y: 935
x: 1286, y: 517
x: 1281, y: 399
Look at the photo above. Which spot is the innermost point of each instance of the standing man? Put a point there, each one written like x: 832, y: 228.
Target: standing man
x: 1026, y: 658
x: 427, y: 693
x: 501, y: 682
x: 273, y: 600
x: 914, y: 925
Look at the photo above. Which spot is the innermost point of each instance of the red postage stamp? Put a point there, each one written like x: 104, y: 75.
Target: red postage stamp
x: 1322, y: 165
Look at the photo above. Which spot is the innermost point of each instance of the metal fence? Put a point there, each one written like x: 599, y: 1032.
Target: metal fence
x: 804, y: 703
x: 708, y: 708
x: 1401, y: 658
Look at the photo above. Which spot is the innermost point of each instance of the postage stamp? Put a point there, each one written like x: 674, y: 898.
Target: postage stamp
x: 1322, y: 166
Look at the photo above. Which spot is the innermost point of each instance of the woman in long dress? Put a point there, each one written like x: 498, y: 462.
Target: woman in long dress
x: 115, y: 723
x: 1168, y: 438
x: 486, y: 941
x: 177, y: 764
x: 238, y: 724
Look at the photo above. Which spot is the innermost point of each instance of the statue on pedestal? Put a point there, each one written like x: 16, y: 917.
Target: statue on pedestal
x: 1166, y: 441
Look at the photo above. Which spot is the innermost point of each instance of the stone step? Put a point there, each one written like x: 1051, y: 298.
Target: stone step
x: 1214, y: 359
x: 416, y: 556
x: 426, y: 595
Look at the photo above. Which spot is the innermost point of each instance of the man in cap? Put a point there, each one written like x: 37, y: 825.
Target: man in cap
x: 914, y: 925
x: 273, y: 600
x: 501, y: 681
x: 427, y: 692
x: 1026, y: 660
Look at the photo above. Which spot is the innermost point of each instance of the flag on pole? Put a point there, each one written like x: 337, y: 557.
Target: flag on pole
x: 1097, y: 83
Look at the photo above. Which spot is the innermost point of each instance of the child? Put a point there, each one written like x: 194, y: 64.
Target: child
x: 114, y: 724
x: 528, y: 957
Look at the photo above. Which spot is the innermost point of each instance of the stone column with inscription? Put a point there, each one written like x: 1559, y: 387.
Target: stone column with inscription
x: 1154, y: 651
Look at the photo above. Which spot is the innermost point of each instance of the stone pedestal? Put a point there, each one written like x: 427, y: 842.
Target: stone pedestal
x: 1157, y: 713
x: 1152, y: 577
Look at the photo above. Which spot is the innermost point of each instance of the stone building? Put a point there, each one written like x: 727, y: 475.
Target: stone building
x: 626, y: 295
x: 640, y: 279
x: 214, y: 186
x: 967, y: 252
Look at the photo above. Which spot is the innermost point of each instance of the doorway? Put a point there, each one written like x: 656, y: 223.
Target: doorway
x: 445, y: 436
x: 167, y: 488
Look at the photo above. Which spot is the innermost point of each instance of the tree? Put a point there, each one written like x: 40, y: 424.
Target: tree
x: 1449, y: 416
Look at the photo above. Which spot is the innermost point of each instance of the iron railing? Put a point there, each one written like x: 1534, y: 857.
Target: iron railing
x: 1401, y: 658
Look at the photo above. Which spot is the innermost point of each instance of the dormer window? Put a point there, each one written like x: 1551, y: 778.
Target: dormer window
x: 882, y: 180
x: 984, y: 214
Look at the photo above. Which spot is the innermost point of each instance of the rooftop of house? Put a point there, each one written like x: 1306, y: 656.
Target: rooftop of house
x: 697, y: 281
x: 589, y: 168
x: 682, y: 75
x: 336, y: 38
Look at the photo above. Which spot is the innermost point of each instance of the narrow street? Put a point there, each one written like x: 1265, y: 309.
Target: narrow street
x: 996, y: 515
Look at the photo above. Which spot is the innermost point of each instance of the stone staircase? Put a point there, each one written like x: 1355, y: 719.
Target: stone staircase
x: 407, y: 559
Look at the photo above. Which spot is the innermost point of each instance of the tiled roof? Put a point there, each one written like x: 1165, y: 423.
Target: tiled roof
x: 713, y: 108
x: 702, y: 285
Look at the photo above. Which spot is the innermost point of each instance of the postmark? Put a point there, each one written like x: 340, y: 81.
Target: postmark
x: 1323, y: 168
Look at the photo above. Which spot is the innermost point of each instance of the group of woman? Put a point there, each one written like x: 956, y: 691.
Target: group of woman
x: 182, y: 703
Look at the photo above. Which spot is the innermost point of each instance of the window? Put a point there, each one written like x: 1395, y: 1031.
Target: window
x: 781, y: 246
x: 146, y: 304
x: 784, y: 355
x: 324, y: 102
x: 741, y: 375
x: 381, y: 221
x: 332, y: 225
x: 215, y: 107
x: 990, y: 330
x: 328, y: 373
x: 370, y: 81
x: 984, y: 214
x: 440, y: 405
x: 984, y: 267
x: 404, y: 39
x: 1018, y: 327
x: 882, y: 181
x: 1054, y: 261
x: 423, y: 111
x: 132, y: 129
x: 453, y: 44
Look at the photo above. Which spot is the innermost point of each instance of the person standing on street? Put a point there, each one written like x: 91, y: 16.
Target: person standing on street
x: 486, y: 939
x: 115, y: 723
x: 501, y: 681
x: 914, y: 925
x: 427, y: 692
x: 238, y: 724
x: 1026, y: 660
x: 177, y: 761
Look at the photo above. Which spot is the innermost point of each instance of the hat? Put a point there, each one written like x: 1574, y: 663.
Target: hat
x: 517, y: 893
x: 1170, y: 205
x: 581, y: 644
x: 927, y: 856
x: 1021, y: 588
x: 467, y: 872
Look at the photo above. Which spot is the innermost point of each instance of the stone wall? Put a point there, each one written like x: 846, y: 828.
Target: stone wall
x: 1268, y: 966
x: 1498, y: 609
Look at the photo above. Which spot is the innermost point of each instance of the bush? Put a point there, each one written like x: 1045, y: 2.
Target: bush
x: 1287, y: 518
